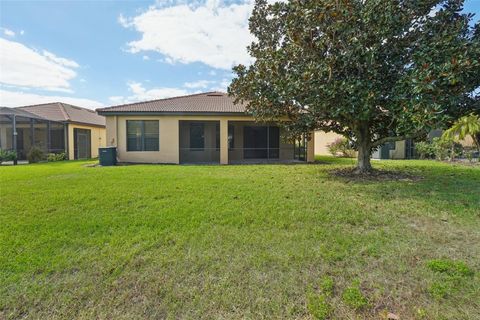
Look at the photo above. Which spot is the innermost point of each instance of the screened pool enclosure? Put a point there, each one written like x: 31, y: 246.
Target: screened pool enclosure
x: 248, y: 142
x: 20, y: 131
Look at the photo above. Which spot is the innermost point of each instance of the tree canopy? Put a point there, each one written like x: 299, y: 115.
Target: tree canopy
x: 374, y: 71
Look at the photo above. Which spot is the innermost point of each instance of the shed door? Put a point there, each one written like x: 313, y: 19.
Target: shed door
x: 82, y: 143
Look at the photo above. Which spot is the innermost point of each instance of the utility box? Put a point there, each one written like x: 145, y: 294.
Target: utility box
x: 107, y: 156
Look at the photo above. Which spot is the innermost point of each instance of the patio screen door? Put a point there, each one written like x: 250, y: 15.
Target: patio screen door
x: 261, y: 142
x: 82, y: 144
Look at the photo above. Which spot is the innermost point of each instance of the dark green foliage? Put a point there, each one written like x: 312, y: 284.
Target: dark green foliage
x: 51, y: 157
x: 354, y: 298
x: 35, y: 155
x: 7, y: 155
x: 374, y: 71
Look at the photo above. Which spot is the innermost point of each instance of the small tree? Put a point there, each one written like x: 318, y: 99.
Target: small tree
x: 464, y: 127
x: 373, y: 71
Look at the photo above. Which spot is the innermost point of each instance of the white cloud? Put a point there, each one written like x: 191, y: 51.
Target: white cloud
x: 61, y: 61
x: 19, y: 98
x: 139, y: 93
x: 212, y: 32
x: 26, y: 67
x: 22, y: 32
x: 146, y: 58
x: 8, y: 32
x: 123, y: 21
x: 200, y: 84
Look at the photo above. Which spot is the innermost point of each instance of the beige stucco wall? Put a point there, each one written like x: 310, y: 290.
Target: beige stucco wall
x: 399, y: 152
x: 97, y: 134
x: 169, y: 138
x: 322, y: 139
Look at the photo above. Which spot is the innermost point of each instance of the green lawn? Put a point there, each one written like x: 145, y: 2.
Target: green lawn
x: 230, y: 242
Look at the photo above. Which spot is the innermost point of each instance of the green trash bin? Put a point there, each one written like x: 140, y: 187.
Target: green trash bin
x: 107, y: 156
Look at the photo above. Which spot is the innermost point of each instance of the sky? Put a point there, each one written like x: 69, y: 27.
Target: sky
x: 103, y: 53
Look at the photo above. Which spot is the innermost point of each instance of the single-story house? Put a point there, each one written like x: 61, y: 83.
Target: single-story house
x: 199, y: 128
x: 404, y: 149
x: 54, y: 128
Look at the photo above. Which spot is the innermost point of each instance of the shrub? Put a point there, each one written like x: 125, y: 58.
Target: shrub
x: 35, y: 155
x: 341, y: 147
x: 354, y: 298
x: 51, y: 157
x: 7, y: 155
x: 425, y: 150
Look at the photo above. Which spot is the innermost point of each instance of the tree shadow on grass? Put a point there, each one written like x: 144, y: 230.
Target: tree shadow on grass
x: 447, y: 187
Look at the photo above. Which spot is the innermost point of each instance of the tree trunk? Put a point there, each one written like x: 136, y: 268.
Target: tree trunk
x: 364, y: 146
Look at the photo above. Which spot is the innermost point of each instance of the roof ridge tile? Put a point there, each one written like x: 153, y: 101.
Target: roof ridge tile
x: 162, y: 99
x: 64, y: 111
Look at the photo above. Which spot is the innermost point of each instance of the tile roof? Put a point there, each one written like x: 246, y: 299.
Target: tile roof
x: 58, y: 111
x: 19, y: 113
x: 207, y: 102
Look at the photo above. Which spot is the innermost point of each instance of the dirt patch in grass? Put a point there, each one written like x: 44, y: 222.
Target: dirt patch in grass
x: 376, y: 175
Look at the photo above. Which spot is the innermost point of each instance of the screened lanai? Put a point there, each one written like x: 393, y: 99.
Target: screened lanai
x: 199, y: 142
x: 21, y: 130
x: 248, y: 142
x: 252, y: 142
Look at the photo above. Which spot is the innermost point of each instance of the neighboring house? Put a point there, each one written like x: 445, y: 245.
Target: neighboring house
x: 322, y: 140
x: 404, y: 149
x: 200, y: 128
x: 54, y: 128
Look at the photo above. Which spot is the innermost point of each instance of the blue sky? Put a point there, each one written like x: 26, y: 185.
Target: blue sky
x: 100, y: 53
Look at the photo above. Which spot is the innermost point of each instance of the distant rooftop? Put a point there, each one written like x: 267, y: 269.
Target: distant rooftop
x: 58, y: 111
x: 208, y: 102
x: 18, y: 112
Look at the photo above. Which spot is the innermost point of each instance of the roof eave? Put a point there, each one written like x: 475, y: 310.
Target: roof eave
x: 87, y: 124
x: 169, y: 113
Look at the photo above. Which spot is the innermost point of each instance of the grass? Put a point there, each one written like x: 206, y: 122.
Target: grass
x: 230, y: 242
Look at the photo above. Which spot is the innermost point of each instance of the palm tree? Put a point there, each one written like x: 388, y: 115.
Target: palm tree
x: 463, y: 127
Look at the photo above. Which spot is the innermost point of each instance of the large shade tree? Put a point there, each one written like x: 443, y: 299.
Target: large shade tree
x: 374, y: 71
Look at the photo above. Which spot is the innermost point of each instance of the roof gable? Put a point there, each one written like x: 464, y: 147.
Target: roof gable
x: 58, y: 111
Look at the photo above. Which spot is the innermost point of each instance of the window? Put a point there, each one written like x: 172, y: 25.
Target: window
x: 197, y: 136
x: 142, y: 135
